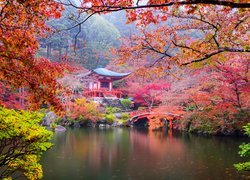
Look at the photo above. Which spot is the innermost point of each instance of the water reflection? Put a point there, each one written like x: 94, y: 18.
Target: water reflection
x: 133, y: 154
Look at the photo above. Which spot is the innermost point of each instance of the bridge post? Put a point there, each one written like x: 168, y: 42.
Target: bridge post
x: 170, y: 124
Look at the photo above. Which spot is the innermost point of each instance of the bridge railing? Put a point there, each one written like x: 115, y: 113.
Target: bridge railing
x: 141, y: 111
x: 152, y: 110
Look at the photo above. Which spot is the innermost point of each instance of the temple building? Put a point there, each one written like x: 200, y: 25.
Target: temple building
x: 99, y: 83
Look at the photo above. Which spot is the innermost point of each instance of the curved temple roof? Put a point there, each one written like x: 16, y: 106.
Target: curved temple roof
x: 106, y: 72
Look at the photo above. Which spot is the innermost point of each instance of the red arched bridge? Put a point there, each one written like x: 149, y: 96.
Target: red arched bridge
x: 146, y: 113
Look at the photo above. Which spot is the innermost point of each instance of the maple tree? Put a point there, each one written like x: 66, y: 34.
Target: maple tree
x: 12, y: 98
x: 149, y: 94
x: 186, y: 32
x: 100, y: 6
x: 26, y: 81
x: 22, y: 24
x: 197, y: 39
x: 155, y: 122
x: 220, y: 104
x: 232, y: 78
x: 228, y: 85
x: 82, y: 110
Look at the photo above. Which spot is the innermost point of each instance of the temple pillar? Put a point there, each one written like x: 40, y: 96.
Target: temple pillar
x: 90, y: 85
x: 98, y: 85
x: 95, y: 85
x: 110, y: 85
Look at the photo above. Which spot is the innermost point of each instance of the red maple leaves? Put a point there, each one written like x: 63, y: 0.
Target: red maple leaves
x: 22, y: 23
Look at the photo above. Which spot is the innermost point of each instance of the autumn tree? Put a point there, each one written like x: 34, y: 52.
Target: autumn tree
x: 228, y: 85
x: 150, y: 94
x: 219, y: 102
x: 177, y: 33
x: 187, y: 32
x: 232, y: 79
x: 22, y: 23
x: 155, y: 122
x: 81, y: 110
x: 22, y: 139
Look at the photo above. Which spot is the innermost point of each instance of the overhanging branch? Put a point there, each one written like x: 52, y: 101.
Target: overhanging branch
x: 220, y: 50
x: 109, y: 7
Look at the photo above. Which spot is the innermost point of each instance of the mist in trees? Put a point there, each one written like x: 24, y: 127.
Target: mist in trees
x: 86, y: 44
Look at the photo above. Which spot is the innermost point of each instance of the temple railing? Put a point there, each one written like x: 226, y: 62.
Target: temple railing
x: 102, y: 92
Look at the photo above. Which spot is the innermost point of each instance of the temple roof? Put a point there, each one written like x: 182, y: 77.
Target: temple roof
x: 106, y: 72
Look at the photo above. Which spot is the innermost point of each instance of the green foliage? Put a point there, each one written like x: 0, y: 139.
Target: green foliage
x: 201, y: 123
x: 242, y: 166
x: 126, y: 103
x: 241, y: 117
x: 22, y: 141
x: 213, y: 121
x: 247, y: 129
x: 53, y: 125
x: 109, y: 118
x: 191, y: 107
x: 125, y: 116
x: 94, y: 40
x: 112, y: 110
x: 102, y: 33
x: 244, y: 152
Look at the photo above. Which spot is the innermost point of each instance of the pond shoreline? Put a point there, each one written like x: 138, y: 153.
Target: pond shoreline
x: 96, y: 153
x: 194, y: 132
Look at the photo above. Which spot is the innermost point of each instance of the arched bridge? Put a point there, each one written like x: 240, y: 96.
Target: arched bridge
x: 145, y: 113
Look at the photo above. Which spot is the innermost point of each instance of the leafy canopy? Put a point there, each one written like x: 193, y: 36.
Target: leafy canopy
x: 22, y: 23
x: 22, y: 141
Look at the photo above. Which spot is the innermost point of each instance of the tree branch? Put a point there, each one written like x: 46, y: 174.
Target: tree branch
x: 220, y: 50
x: 109, y: 7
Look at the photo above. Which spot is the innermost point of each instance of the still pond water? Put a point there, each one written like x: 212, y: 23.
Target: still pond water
x: 131, y: 154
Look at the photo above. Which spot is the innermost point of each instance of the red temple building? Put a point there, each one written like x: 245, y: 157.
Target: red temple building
x: 99, y: 83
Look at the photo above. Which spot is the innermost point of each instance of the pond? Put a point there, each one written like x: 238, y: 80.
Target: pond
x: 133, y: 154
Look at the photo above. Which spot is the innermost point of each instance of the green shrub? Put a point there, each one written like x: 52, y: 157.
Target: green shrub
x: 125, y: 116
x: 126, y: 103
x: 214, y: 122
x: 110, y: 110
x: 53, y: 125
x: 202, y: 123
x: 244, y: 152
x: 241, y: 118
x: 109, y: 118
x: 22, y: 127
x: 191, y: 107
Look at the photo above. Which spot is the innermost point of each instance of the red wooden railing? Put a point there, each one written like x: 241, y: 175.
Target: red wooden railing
x: 102, y: 93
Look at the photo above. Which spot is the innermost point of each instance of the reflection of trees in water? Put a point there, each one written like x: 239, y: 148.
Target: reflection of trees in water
x: 96, y: 147
x: 157, y: 143
x: 158, y: 146
x: 134, y: 154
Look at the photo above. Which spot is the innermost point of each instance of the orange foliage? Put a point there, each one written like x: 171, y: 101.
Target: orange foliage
x: 204, y: 37
x: 155, y: 122
x: 22, y: 23
x: 155, y: 11
x: 83, y: 110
